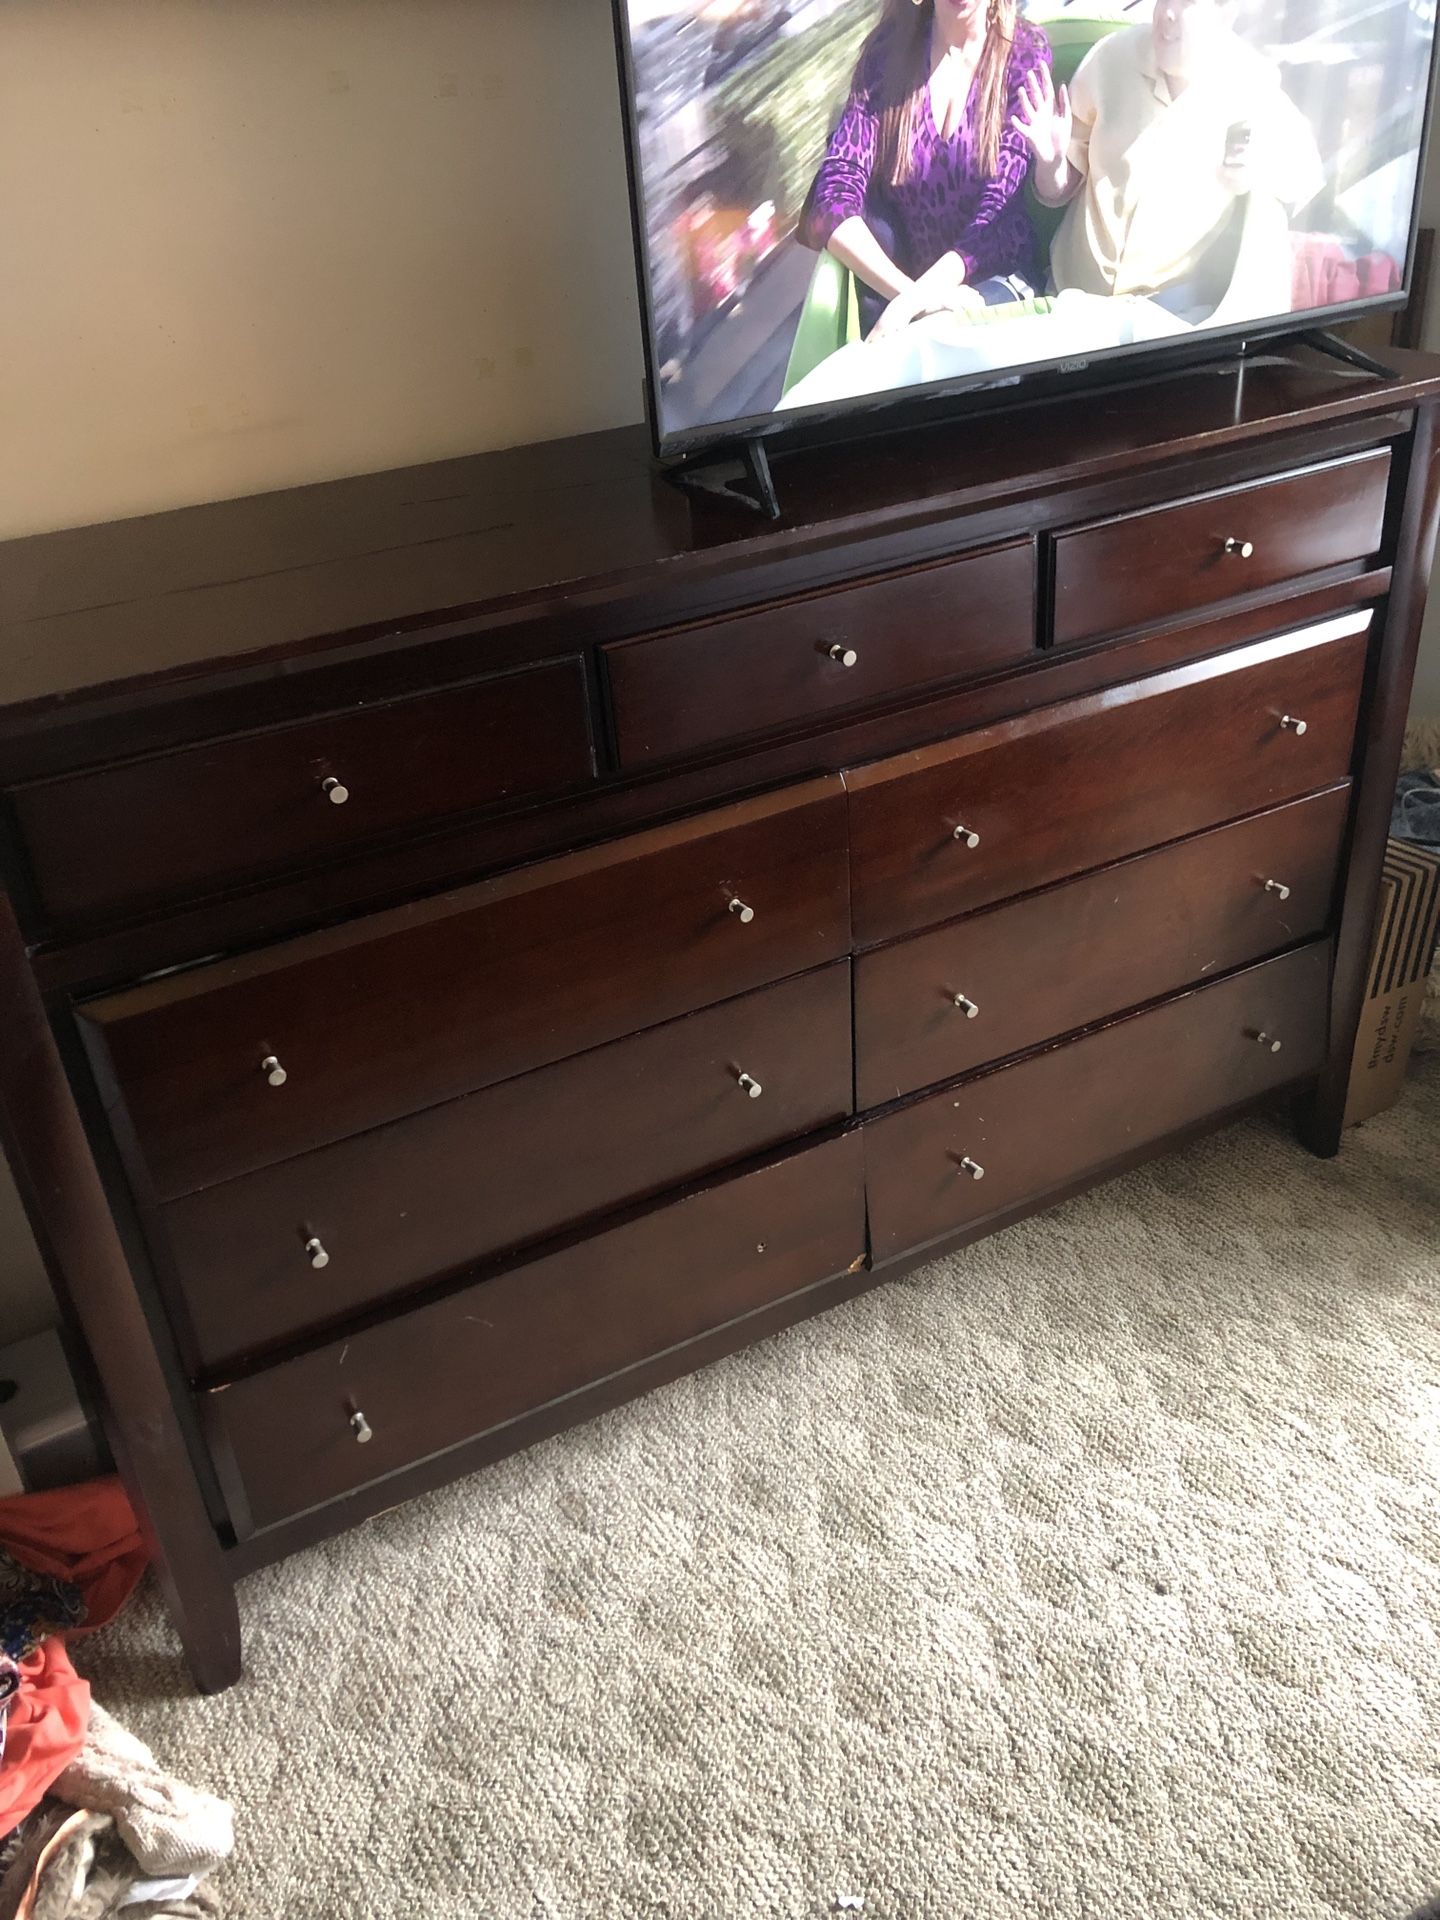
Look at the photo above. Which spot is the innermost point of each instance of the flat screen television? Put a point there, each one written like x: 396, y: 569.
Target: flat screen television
x: 845, y: 205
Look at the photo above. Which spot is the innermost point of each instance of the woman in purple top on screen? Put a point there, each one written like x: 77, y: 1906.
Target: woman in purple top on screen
x: 920, y: 191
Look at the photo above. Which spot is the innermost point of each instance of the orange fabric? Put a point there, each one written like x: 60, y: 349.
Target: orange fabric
x: 44, y: 1730
x: 86, y: 1534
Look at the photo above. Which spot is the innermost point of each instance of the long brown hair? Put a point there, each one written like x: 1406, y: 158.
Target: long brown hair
x: 901, y: 41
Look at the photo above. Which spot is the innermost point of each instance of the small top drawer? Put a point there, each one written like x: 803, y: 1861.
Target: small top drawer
x: 408, y: 1008
x: 1140, y: 567
x: 122, y: 837
x: 796, y: 663
x: 996, y: 812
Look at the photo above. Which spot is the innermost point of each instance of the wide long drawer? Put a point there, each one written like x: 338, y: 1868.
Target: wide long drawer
x: 290, y: 1248
x: 940, y: 831
x: 237, y: 1065
x: 1163, y: 561
x: 943, y: 1002
x: 958, y: 1156
x: 320, y: 1426
x: 124, y: 837
x: 794, y: 664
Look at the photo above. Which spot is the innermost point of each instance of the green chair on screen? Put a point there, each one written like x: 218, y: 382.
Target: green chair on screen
x: 830, y: 317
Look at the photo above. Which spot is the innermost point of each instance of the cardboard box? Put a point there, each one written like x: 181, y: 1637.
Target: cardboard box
x: 1405, y: 931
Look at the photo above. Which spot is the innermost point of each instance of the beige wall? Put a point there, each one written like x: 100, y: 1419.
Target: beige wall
x: 274, y: 240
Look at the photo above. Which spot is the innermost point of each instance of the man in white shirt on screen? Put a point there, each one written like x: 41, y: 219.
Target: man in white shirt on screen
x: 1179, y: 158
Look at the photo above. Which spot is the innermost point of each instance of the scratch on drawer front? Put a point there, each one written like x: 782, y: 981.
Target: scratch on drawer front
x: 343, y: 1351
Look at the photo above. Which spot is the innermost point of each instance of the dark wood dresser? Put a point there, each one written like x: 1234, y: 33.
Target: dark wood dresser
x: 484, y: 939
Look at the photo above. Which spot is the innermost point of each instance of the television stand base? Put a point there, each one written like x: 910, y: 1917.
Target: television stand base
x: 742, y: 477
x: 1338, y: 349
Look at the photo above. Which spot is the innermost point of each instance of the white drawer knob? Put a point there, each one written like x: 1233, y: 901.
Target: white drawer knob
x: 743, y: 913
x: 360, y: 1427
x: 971, y: 1168
x: 1294, y: 726
x: 315, y: 1253
x: 1278, y: 888
x: 749, y: 1084
x: 842, y: 655
x: 1239, y: 549
x: 967, y: 836
x: 335, y: 791
x: 1266, y: 1040
x: 966, y: 1005
x: 273, y: 1071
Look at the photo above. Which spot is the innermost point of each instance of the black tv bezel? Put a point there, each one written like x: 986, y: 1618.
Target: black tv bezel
x: 901, y: 407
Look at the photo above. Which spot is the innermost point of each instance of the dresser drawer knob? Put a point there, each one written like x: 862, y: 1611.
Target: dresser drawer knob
x: 1263, y: 1039
x: 1288, y: 720
x: 967, y: 836
x: 742, y: 912
x: 360, y: 1427
x: 966, y: 1005
x: 1278, y: 888
x: 1240, y: 549
x: 315, y: 1252
x: 273, y: 1071
x: 842, y: 655
x: 749, y: 1084
x: 335, y: 791
x: 972, y: 1169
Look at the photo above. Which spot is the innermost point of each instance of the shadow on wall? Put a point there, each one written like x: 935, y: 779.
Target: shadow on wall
x: 26, y: 1303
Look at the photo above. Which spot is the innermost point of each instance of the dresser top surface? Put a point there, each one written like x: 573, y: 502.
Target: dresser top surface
x: 280, y: 576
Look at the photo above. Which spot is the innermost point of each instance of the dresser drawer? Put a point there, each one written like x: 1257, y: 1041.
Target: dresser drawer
x: 123, y: 837
x: 403, y: 1010
x: 794, y: 664
x: 991, y: 1143
x: 956, y: 826
x: 443, y: 1190
x: 1142, y: 567
x: 944, y: 1002
x: 286, y: 1438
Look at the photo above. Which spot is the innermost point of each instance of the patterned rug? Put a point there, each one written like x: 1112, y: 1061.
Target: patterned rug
x: 1094, y: 1572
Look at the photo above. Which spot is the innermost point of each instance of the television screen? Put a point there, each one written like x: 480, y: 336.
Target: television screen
x: 840, y: 201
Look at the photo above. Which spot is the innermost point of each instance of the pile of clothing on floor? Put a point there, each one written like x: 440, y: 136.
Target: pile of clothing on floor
x: 89, y: 1825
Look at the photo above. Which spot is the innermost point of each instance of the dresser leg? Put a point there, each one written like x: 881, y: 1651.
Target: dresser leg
x: 44, y: 1140
x: 1319, y: 1121
x: 209, y: 1633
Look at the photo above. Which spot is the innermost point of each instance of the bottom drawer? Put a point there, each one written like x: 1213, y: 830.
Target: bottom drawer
x: 294, y: 1436
x: 990, y: 1143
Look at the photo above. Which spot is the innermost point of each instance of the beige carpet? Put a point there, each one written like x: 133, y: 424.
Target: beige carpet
x: 1093, y: 1573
